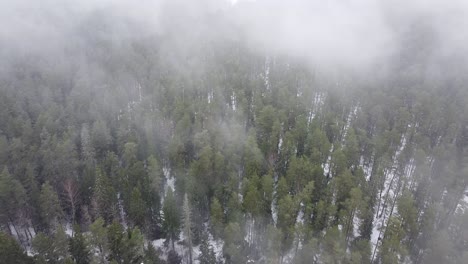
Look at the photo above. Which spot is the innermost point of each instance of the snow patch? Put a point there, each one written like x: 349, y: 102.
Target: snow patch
x: 326, y: 165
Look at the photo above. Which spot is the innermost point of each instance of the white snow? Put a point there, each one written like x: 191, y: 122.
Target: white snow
x: 210, y: 96
x: 280, y: 143
x: 356, y: 224
x: 121, y: 211
x: 69, y: 229
x: 388, y: 194
x: 182, y: 251
x: 300, y: 215
x: 326, y: 165
x: 170, y: 181
x: 250, y: 231
x: 316, y: 105
x: 274, y: 212
x: 463, y: 204
x: 367, y: 167
x: 233, y: 102
x: 266, y: 74
x: 139, y: 92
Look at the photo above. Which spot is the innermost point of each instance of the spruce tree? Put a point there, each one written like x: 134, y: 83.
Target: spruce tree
x: 171, y: 222
x: 49, y: 206
x: 207, y: 254
x: 187, y: 227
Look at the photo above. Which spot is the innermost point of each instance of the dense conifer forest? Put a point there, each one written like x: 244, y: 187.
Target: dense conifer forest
x: 192, y: 145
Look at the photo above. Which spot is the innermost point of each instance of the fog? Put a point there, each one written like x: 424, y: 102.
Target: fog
x: 354, y: 34
x: 122, y: 68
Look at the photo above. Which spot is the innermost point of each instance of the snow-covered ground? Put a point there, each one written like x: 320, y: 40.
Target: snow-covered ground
x: 169, y: 182
x: 123, y: 219
x: 388, y: 194
x: 463, y: 204
x: 274, y: 202
x: 326, y: 165
x: 356, y: 224
x: 352, y: 114
x: 182, y: 251
x: 266, y: 74
x: 367, y: 167
x: 316, y: 105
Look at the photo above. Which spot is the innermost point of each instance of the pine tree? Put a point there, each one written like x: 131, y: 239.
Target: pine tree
x: 104, y: 197
x: 252, y: 197
x: 273, y: 244
x: 46, y: 249
x: 287, y: 212
x: 171, y: 222
x: 207, y: 254
x: 151, y: 255
x: 98, y: 239
x: 11, y: 252
x: 233, y: 247
x: 49, y: 206
x: 12, y: 198
x: 392, y: 250
x: 133, y: 246
x: 155, y: 174
x: 217, y: 216
x: 137, y: 209
x: 115, y: 235
x: 267, y: 185
x: 60, y: 243
x: 79, y: 248
x: 187, y: 227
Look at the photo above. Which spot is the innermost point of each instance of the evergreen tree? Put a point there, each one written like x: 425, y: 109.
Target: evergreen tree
x: 217, y: 217
x: 60, y: 244
x: 234, y: 247
x: 187, y: 227
x: 392, y: 250
x: 115, y: 236
x: 137, y: 209
x: 49, y: 206
x: 171, y: 222
x: 98, y: 239
x: 79, y: 248
x: 12, y: 199
x: 207, y: 254
x: 151, y: 255
x: 45, y: 248
x: 11, y: 252
x: 104, y: 197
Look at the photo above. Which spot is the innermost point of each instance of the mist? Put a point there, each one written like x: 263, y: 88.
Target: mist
x: 234, y: 131
x: 356, y: 35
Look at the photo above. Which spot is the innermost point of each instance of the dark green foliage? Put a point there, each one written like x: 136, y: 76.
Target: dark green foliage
x: 207, y: 255
x: 49, y: 205
x: 217, y: 217
x: 104, y: 197
x: 125, y: 246
x: 172, y: 217
x: 151, y: 255
x: 79, y: 248
x: 54, y: 249
x: 137, y: 209
x: 12, y: 197
x: 11, y: 252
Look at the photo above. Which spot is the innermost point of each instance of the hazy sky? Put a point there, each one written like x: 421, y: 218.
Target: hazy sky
x: 356, y: 34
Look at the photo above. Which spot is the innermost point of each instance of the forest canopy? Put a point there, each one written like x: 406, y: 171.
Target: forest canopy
x: 235, y: 132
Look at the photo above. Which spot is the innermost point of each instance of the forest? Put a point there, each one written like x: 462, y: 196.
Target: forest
x: 198, y: 144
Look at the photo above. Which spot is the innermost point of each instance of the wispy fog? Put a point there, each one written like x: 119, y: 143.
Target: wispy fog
x: 354, y: 34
